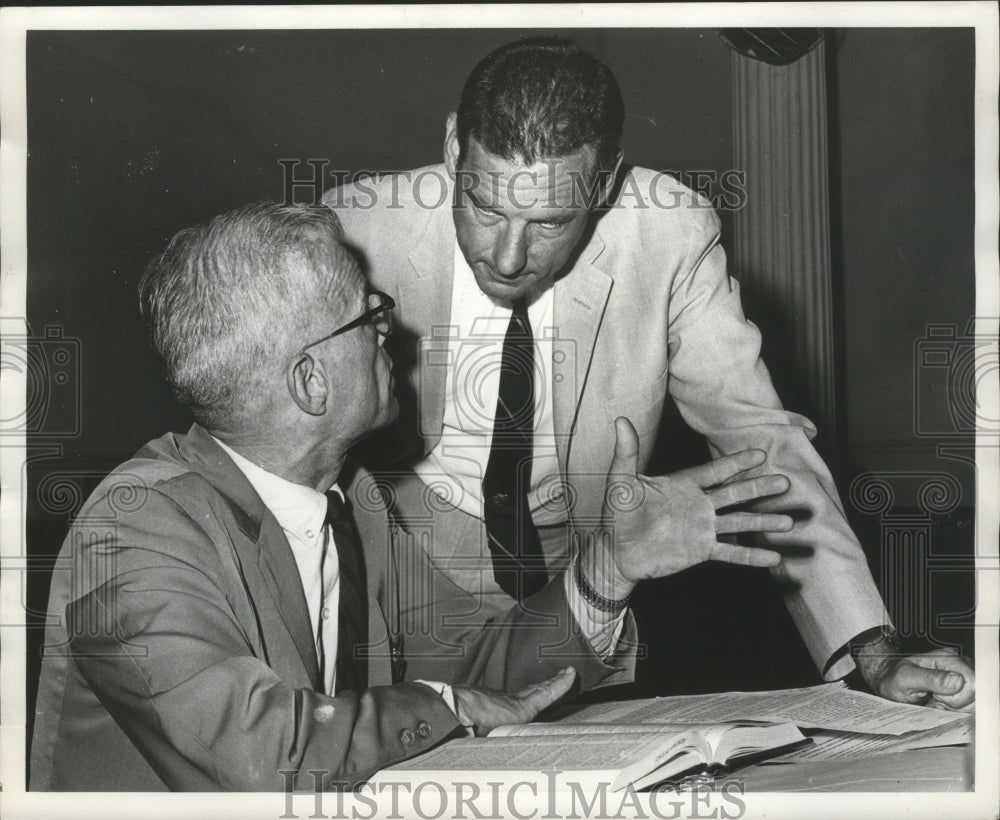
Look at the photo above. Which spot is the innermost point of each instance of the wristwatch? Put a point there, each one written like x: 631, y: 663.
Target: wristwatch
x: 878, y: 641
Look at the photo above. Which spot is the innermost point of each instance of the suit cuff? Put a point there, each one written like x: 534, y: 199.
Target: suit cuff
x: 448, y: 696
x: 843, y: 661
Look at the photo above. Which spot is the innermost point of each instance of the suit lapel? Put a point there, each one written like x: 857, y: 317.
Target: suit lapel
x: 266, y: 560
x: 281, y: 574
x: 578, y: 309
x: 425, y: 305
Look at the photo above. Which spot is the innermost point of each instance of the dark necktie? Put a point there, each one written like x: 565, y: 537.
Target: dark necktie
x: 518, y: 563
x: 352, y: 625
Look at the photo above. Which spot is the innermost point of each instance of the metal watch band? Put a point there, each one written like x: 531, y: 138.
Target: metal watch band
x: 591, y: 595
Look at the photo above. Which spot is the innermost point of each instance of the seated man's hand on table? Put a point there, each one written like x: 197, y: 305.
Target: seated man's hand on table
x: 483, y: 710
x: 660, y: 525
x: 940, y: 678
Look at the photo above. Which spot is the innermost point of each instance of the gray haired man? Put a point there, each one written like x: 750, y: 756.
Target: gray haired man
x: 237, y: 617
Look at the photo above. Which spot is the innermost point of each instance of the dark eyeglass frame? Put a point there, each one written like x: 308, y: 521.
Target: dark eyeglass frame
x: 386, y: 306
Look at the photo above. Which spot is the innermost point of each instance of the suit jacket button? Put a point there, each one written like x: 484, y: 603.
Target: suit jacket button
x: 423, y: 729
x: 407, y: 738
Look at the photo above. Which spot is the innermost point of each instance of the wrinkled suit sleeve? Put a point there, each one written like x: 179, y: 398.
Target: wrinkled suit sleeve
x: 723, y: 390
x: 451, y: 636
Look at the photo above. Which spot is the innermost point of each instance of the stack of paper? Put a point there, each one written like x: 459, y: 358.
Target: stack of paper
x: 841, y: 723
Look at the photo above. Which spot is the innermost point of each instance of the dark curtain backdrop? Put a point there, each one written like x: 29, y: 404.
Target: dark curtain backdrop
x: 133, y: 135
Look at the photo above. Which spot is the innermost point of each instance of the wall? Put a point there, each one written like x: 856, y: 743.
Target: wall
x: 905, y: 132
x: 902, y: 145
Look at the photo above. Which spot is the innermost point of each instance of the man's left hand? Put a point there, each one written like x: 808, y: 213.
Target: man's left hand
x: 483, y: 710
x: 940, y: 678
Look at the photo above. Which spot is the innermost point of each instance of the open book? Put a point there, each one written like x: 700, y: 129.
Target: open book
x: 640, y: 755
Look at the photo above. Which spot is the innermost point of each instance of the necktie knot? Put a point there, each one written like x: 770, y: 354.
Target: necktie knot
x: 335, y: 507
x: 520, y: 317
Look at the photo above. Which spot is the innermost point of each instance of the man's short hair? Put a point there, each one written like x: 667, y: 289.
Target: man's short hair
x: 542, y: 98
x: 227, y: 302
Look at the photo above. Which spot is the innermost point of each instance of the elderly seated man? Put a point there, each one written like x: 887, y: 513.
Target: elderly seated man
x: 241, y: 614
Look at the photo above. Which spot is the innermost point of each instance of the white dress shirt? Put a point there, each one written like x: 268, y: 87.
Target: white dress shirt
x: 476, y: 331
x: 301, y: 513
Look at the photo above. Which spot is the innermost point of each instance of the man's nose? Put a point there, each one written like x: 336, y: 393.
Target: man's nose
x: 511, y: 251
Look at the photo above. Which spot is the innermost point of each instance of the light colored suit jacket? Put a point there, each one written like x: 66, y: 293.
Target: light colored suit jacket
x: 180, y: 655
x: 646, y: 312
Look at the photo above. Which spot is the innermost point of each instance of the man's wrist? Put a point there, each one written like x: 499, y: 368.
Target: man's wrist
x: 591, y: 595
x: 874, y: 651
x: 879, y: 638
x: 597, y: 578
x: 602, y: 630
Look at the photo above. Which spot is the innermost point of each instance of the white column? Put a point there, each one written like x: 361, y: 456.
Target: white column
x: 782, y: 243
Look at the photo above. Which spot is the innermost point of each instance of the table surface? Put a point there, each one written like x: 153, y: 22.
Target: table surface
x: 945, y: 769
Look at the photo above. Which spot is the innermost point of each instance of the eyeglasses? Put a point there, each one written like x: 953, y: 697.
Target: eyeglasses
x: 379, y: 314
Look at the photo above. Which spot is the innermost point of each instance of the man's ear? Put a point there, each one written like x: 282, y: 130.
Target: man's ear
x: 451, y: 146
x: 308, y: 384
x: 608, y: 180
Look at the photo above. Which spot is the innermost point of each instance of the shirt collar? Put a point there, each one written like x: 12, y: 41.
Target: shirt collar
x: 298, y: 509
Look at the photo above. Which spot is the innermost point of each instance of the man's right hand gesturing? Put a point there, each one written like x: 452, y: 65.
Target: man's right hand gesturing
x: 655, y: 526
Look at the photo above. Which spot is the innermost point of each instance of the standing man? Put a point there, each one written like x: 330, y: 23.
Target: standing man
x: 547, y: 332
